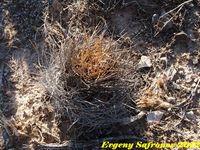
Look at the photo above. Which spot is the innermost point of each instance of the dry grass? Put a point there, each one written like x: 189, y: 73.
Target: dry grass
x: 94, y: 63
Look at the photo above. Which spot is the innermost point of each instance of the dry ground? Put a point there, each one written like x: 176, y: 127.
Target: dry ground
x: 74, y: 73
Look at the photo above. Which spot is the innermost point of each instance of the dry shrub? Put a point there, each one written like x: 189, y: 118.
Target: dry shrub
x: 153, y: 102
x: 81, y: 78
x: 154, y: 96
x: 95, y: 62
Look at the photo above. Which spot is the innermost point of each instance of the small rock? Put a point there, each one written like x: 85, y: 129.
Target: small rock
x: 155, y: 18
x: 191, y: 5
x: 190, y: 115
x: 195, y: 61
x: 181, y: 72
x: 198, y: 91
x: 188, y: 79
x: 154, y: 116
x: 193, y: 85
x: 171, y: 99
x: 145, y: 62
x: 192, y: 34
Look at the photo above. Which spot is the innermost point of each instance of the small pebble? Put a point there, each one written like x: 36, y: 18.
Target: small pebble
x: 190, y: 115
x: 145, y: 62
x: 191, y: 5
x: 181, y: 72
x: 195, y: 61
x: 193, y: 85
x: 198, y: 91
x: 154, y: 116
x: 171, y: 99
